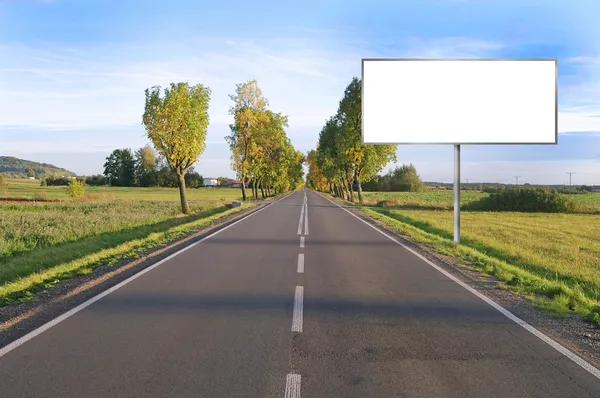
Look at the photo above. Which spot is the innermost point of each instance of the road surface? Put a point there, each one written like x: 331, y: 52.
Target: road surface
x: 275, y: 306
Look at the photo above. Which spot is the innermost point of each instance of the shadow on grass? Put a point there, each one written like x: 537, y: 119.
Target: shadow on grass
x: 24, y: 264
x: 588, y: 287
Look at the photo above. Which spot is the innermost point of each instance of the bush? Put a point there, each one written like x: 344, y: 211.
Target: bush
x: 44, y: 183
x: 96, y: 180
x: 529, y: 200
x: 76, y: 189
x: 57, y: 181
x: 2, y: 181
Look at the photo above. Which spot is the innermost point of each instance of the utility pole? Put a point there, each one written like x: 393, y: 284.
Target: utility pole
x: 570, y: 174
x: 517, y: 179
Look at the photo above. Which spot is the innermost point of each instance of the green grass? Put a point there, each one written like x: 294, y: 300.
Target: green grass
x: 553, y: 258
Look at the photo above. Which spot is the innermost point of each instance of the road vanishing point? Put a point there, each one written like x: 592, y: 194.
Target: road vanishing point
x: 299, y: 299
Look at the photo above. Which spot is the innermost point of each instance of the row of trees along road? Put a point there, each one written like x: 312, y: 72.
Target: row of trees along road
x: 341, y: 159
x: 261, y: 152
x: 176, y: 123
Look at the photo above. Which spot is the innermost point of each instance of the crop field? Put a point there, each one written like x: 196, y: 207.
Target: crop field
x: 42, y: 242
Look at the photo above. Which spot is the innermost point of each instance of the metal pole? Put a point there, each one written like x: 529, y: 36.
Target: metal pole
x: 457, y: 194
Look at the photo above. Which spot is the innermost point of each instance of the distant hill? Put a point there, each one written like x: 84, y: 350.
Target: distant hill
x: 17, y: 168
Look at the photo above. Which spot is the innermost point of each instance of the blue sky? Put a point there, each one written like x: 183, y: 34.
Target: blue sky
x: 73, y: 73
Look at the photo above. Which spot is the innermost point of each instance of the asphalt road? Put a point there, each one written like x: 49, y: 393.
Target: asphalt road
x: 272, y: 307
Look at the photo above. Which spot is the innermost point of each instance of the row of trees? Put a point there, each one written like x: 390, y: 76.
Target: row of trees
x: 176, y: 123
x: 261, y: 152
x: 341, y: 161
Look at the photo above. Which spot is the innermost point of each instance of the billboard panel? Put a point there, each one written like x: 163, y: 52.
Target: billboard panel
x: 459, y: 101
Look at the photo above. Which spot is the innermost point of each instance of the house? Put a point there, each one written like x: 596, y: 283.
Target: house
x: 210, y: 182
x: 236, y: 184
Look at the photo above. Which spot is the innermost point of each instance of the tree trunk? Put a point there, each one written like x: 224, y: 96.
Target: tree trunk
x: 351, y: 191
x: 254, y: 189
x: 360, y: 197
x: 262, y: 191
x: 244, y: 187
x: 185, y: 207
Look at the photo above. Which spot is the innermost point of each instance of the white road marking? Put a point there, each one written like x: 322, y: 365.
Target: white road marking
x: 306, y: 219
x: 300, y: 222
x: 557, y: 346
x: 301, y: 263
x: 297, y: 319
x: 302, y: 241
x: 292, y: 385
x: 8, y: 348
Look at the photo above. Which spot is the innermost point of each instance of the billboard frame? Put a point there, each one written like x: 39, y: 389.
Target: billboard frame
x: 362, y: 96
x: 458, y: 144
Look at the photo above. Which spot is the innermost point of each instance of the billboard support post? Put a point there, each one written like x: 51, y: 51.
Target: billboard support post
x: 457, y: 194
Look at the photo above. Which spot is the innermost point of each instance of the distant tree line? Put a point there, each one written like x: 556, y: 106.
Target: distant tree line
x: 342, y: 162
x: 142, y: 168
x: 261, y: 152
x: 400, y: 179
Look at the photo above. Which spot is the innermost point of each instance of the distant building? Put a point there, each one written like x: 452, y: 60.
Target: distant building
x: 210, y: 182
x: 235, y: 184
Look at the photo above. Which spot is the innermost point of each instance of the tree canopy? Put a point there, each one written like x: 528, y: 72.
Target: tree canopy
x: 176, y: 123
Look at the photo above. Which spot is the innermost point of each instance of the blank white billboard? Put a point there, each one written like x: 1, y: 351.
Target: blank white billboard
x: 469, y: 101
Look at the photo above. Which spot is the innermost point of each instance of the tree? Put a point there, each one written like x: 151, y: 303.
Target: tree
x: 119, y: 168
x: 176, y: 124
x: 193, y: 179
x: 249, y: 116
x: 30, y: 173
x: 145, y: 166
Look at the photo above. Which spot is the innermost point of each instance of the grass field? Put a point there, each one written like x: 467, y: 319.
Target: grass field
x: 554, y: 258
x: 43, y: 242
x: 31, y: 189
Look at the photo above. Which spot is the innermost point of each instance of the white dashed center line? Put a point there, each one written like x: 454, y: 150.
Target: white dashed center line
x: 298, y: 305
x: 300, y: 263
x: 292, y: 386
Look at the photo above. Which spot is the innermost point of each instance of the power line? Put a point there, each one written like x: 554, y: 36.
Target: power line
x: 570, y: 174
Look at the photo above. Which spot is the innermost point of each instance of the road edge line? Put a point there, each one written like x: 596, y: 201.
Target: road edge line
x: 554, y: 344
